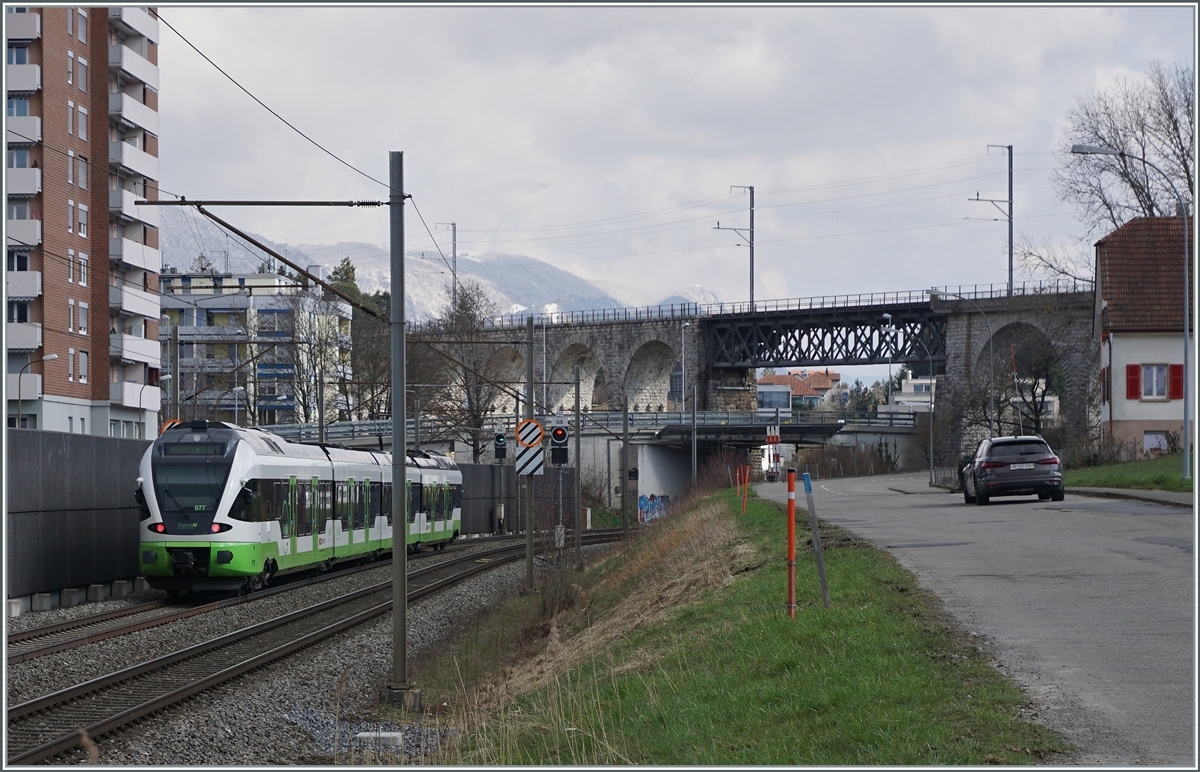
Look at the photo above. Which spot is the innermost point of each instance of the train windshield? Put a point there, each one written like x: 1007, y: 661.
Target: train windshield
x: 190, y: 487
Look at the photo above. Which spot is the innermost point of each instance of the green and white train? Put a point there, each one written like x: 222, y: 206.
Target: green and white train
x: 225, y: 507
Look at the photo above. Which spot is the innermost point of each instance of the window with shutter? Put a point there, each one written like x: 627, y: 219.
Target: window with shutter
x: 1175, y: 389
x: 1133, y: 381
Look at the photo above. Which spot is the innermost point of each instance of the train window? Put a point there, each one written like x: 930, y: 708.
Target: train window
x: 247, y: 508
x: 357, y: 504
x: 303, y: 510
x: 287, y: 508
x: 343, y: 503
x: 376, y: 501
x: 324, y: 505
x: 414, y: 501
x: 386, y: 502
x: 455, y: 498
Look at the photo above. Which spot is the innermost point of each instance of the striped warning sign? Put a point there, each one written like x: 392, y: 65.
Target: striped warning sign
x: 530, y: 460
x: 529, y: 433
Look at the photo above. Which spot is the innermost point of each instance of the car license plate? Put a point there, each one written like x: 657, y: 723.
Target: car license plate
x: 1020, y: 466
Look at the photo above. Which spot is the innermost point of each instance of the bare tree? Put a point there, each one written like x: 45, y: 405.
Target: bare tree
x: 468, y: 378
x: 1151, y: 119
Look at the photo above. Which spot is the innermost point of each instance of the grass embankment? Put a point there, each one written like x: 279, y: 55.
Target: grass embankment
x: 678, y: 651
x: 1163, y: 473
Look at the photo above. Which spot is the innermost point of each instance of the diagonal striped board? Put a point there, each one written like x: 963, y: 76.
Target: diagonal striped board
x: 530, y: 460
x: 529, y: 433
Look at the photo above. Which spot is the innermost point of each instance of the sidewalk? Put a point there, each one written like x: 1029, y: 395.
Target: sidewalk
x: 1170, y: 498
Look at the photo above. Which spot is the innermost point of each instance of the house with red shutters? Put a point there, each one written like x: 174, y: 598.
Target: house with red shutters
x: 1139, y: 322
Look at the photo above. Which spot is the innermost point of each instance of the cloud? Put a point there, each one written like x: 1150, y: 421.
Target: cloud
x: 516, y: 119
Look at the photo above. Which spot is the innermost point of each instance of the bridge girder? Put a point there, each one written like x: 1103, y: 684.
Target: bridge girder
x: 827, y: 336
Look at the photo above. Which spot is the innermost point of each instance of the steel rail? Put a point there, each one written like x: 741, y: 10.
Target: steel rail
x: 62, y: 636
x: 35, y: 727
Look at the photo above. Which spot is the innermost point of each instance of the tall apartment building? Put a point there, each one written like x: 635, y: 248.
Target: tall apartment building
x: 82, y: 259
x: 255, y: 348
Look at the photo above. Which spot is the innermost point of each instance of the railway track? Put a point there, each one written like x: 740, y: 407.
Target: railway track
x: 44, y: 727
x: 49, y: 639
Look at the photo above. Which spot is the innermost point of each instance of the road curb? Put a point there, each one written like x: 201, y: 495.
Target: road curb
x: 1113, y: 494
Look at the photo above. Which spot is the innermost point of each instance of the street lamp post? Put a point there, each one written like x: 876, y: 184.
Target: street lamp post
x: 45, y: 358
x: 236, y: 399
x: 1187, y: 290
x: 933, y: 295
x: 892, y: 330
x: 683, y: 363
x: 932, y: 382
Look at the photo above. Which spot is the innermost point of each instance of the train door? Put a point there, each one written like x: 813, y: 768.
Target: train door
x: 368, y: 512
x: 415, y: 517
x: 287, y: 525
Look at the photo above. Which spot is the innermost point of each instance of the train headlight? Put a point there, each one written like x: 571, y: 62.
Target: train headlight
x: 158, y: 528
x: 219, y: 527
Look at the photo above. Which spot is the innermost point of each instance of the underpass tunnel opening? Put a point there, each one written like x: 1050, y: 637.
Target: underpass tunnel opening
x: 562, y: 379
x: 648, y: 377
x: 1028, y: 377
x: 507, y: 367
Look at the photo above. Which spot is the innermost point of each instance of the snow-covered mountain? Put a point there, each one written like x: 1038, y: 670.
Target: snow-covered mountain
x: 513, y: 282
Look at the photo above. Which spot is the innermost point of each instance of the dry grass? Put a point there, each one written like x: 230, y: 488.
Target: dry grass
x: 663, y: 571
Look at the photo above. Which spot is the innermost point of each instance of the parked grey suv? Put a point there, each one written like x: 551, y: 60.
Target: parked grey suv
x: 1012, y: 466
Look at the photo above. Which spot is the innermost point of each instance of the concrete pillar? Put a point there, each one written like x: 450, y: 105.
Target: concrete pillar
x: 43, y: 601
x: 121, y: 588
x: 72, y: 597
x: 97, y: 592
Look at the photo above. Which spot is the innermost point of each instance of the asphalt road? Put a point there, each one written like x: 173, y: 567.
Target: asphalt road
x: 1088, y: 603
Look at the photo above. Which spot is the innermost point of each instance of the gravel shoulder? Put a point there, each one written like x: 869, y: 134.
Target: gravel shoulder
x: 283, y: 713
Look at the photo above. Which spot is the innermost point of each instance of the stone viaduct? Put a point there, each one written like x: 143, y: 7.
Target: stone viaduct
x: 630, y: 355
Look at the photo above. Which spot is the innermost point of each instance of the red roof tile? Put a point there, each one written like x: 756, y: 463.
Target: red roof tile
x: 1139, y: 269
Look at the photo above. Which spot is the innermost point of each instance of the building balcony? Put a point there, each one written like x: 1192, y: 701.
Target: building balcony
x: 122, y: 203
x: 133, y: 64
x: 23, y: 285
x: 135, y: 255
x: 215, y: 334
x: 211, y: 365
x: 136, y: 395
x: 23, y: 336
x: 24, y: 129
x: 135, y: 160
x: 22, y: 183
x: 26, y: 386
x: 131, y: 301
x: 132, y: 112
x: 131, y: 349
x: 23, y: 233
x: 23, y: 26
x: 22, y: 78
x: 134, y: 21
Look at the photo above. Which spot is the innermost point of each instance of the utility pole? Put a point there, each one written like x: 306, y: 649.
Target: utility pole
x: 528, y: 478
x: 578, y: 483
x: 749, y: 237
x: 625, y: 469
x: 453, y: 263
x: 175, y: 377
x: 996, y: 203
x: 399, y: 685
x: 693, y: 434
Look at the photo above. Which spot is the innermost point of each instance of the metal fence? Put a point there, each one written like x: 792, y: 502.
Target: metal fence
x: 72, y: 520
x: 431, y: 427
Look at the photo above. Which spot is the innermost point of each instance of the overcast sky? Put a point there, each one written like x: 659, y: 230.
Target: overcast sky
x: 605, y: 140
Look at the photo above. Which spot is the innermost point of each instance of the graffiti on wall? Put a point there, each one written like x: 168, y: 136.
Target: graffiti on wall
x: 652, y: 507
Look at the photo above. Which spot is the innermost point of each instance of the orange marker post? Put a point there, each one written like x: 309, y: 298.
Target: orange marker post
x: 791, y: 547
